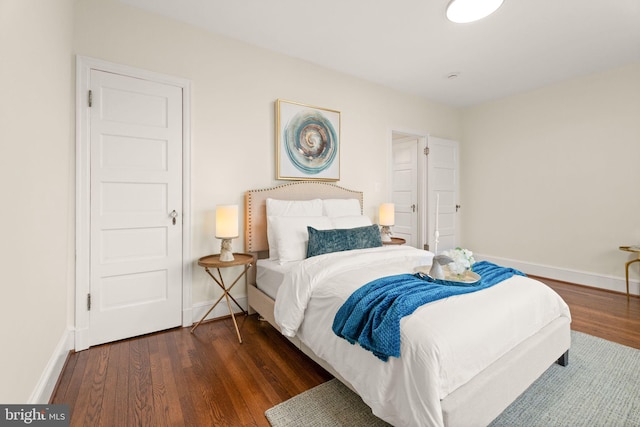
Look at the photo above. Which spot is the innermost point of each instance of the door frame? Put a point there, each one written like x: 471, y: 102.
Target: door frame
x: 84, y: 65
x: 421, y: 177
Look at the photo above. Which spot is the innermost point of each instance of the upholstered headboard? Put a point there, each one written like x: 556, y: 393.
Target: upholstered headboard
x: 256, y: 211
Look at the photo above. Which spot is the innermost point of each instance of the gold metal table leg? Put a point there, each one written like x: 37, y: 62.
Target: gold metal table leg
x: 207, y: 313
x: 233, y: 317
x: 227, y: 296
x: 627, y: 273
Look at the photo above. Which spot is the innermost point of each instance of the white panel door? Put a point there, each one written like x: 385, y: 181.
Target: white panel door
x: 405, y: 190
x: 135, y: 185
x: 443, y: 184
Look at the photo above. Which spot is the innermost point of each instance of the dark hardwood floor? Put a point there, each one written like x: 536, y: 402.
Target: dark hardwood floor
x: 174, y: 378
x: 601, y: 313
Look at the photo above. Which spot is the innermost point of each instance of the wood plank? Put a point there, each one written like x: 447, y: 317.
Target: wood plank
x: 116, y: 386
x: 75, y: 376
x: 140, y: 405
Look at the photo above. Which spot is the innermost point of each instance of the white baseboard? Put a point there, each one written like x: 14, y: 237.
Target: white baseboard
x: 221, y: 309
x: 43, y: 390
x: 611, y: 283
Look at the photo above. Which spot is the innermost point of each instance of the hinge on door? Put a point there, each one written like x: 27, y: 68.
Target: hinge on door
x: 426, y: 151
x: 88, y: 302
x: 90, y: 98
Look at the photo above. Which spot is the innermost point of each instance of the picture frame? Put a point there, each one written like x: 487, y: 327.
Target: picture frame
x: 307, y: 142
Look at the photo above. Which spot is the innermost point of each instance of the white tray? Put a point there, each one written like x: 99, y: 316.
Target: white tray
x: 467, y: 278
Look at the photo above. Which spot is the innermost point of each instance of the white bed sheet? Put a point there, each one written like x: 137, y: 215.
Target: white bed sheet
x: 270, y: 275
x: 443, y: 344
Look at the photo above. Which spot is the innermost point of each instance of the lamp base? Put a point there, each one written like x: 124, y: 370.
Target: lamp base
x: 385, y: 233
x: 225, y: 251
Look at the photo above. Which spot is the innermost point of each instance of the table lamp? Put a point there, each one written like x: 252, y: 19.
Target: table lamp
x: 226, y: 229
x: 386, y: 218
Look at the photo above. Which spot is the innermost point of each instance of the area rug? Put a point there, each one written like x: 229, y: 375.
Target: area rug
x: 600, y: 387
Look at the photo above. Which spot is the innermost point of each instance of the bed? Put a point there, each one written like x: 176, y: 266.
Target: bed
x: 488, y: 347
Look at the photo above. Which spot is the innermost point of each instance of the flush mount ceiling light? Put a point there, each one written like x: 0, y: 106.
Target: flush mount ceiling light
x: 463, y: 11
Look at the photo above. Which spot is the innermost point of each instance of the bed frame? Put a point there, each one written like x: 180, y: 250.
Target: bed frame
x: 476, y: 403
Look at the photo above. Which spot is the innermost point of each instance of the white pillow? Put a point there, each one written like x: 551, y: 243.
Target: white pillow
x: 351, y: 221
x: 294, y: 207
x: 291, y: 236
x: 341, y: 207
x: 277, y: 207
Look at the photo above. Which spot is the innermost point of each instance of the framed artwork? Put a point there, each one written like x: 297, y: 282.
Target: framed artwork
x: 307, y: 142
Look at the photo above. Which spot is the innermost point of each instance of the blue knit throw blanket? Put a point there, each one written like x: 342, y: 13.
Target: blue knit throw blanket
x: 371, y: 315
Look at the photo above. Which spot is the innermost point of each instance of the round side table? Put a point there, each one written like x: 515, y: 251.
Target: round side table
x: 395, y: 241
x: 213, y: 261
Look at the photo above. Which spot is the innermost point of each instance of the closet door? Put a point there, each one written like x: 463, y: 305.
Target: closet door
x: 443, y: 190
x: 135, y: 206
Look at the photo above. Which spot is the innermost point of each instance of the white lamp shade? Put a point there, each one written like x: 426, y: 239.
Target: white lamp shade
x: 387, y: 214
x: 227, y: 221
x: 464, y: 11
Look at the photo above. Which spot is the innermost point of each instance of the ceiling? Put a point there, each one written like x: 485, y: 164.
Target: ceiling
x: 410, y: 46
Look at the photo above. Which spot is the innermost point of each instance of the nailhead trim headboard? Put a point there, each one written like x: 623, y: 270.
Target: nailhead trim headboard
x: 256, y: 207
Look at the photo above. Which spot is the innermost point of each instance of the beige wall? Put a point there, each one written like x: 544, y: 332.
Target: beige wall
x: 551, y: 177
x: 234, y: 87
x: 36, y: 181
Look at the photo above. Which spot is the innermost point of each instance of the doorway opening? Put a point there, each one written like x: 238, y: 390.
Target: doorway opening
x: 424, y: 169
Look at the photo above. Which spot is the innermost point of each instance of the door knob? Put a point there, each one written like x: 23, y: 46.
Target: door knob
x: 173, y: 216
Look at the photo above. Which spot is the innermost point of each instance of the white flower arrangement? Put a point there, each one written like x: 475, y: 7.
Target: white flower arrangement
x: 462, y: 260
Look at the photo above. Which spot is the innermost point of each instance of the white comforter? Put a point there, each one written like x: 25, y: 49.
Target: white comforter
x: 443, y: 344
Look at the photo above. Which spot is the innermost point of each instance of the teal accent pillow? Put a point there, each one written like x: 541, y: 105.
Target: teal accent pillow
x: 326, y: 241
